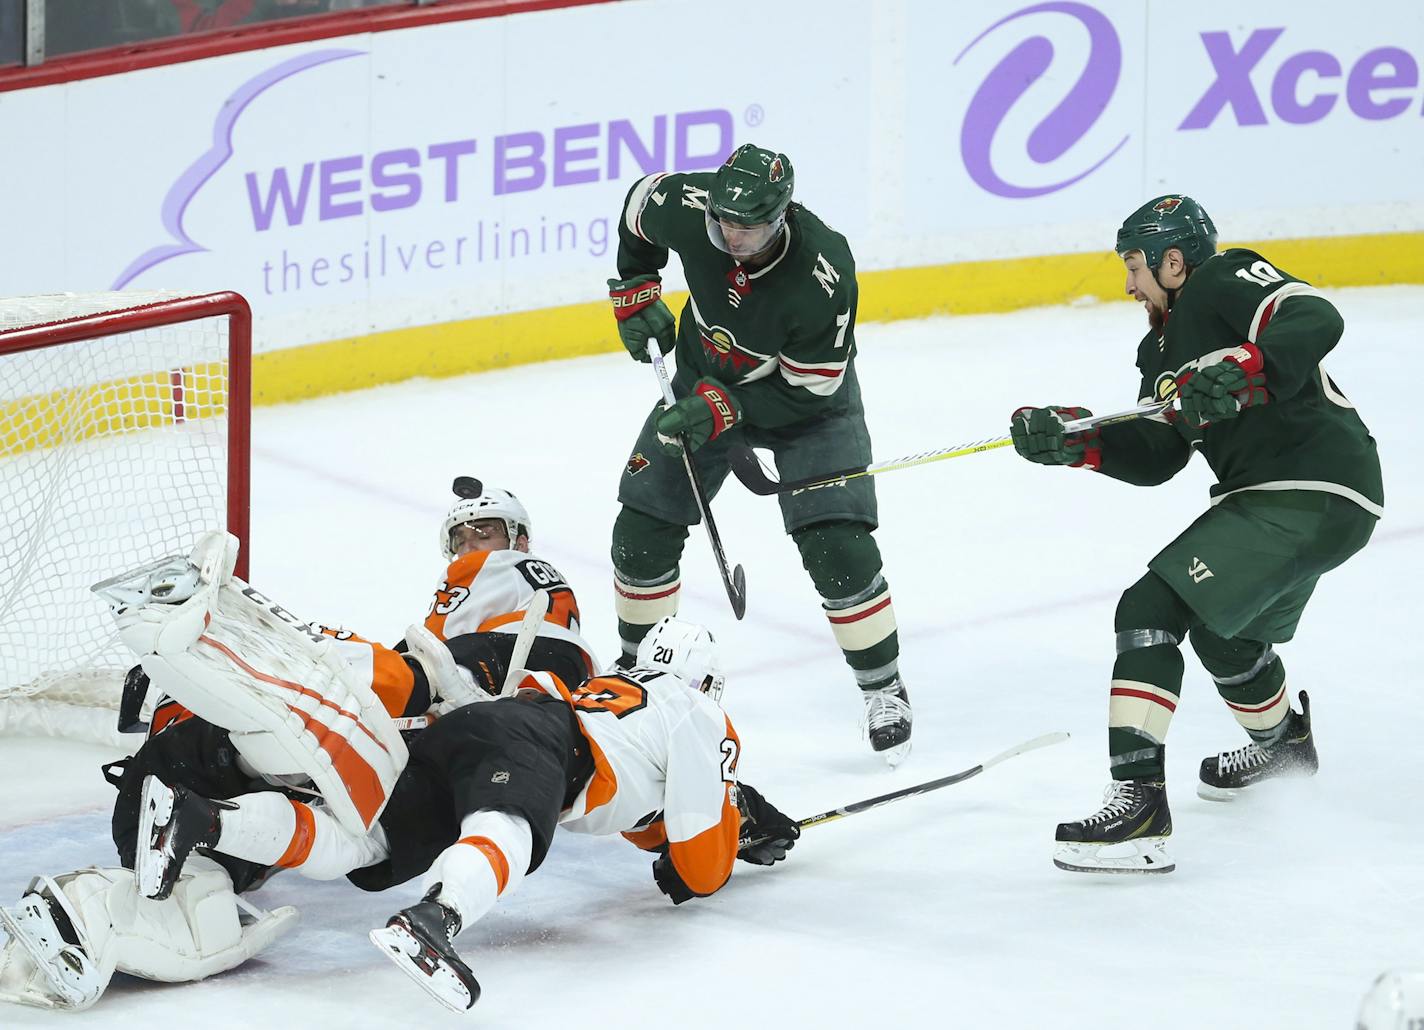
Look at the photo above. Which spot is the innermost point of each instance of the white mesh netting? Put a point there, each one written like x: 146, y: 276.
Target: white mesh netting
x: 113, y: 451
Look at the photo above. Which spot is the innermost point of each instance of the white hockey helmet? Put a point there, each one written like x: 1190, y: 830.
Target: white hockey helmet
x: 687, y: 651
x: 478, y: 501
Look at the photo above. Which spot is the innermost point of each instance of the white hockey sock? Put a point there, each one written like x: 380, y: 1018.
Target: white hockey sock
x: 270, y: 829
x: 488, y: 862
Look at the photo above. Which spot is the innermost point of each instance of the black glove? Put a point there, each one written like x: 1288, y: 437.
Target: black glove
x: 669, y: 882
x: 767, y: 833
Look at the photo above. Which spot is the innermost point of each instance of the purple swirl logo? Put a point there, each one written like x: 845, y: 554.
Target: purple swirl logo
x: 1065, y: 125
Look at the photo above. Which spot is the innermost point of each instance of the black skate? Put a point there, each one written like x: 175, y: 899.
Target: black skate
x: 1293, y: 754
x: 1127, y: 835
x: 417, y: 940
x: 172, y: 822
x: 887, y: 721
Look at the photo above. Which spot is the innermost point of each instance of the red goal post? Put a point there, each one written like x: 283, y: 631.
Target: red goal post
x: 124, y: 434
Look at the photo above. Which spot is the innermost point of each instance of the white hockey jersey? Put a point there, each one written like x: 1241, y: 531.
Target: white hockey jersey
x: 665, y: 770
x: 488, y: 592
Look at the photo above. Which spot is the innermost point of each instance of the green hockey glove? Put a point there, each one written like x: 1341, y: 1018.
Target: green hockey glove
x: 1038, y: 435
x: 706, y: 415
x: 638, y: 306
x: 1222, y: 390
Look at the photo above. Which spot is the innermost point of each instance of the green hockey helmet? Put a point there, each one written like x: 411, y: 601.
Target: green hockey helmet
x: 752, y: 189
x: 1175, y: 220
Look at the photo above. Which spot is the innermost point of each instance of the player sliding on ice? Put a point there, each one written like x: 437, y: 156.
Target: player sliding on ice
x: 71, y: 931
x: 1238, y: 344
x: 647, y: 753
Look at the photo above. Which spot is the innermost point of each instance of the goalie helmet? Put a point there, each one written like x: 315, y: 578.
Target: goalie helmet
x: 687, y: 651
x: 483, y: 502
x: 1162, y: 223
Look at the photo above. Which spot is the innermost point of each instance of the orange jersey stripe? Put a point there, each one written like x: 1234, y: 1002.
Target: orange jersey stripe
x: 650, y: 839
x: 392, y: 680
x: 459, y: 577
x: 705, y: 861
x: 497, y: 861
x: 169, y: 713
x: 303, y: 837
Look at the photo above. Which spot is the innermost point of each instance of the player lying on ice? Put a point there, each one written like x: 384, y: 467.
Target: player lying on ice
x: 478, y: 605
x: 590, y: 757
x: 475, y: 611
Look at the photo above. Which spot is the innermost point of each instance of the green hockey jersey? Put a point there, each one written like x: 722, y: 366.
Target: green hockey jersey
x: 1307, y: 437
x: 781, y: 337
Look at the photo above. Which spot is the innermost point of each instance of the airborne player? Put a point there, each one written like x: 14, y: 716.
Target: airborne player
x: 765, y: 355
x: 1238, y: 344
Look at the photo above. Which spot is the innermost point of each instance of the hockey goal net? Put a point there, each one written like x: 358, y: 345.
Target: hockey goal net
x: 123, y: 436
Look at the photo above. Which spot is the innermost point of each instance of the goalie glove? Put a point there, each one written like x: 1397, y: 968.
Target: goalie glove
x: 1222, y: 390
x: 767, y: 832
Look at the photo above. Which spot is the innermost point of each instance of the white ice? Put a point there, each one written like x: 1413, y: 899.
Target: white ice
x: 939, y: 911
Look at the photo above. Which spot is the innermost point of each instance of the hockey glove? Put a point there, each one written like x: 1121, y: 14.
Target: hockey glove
x: 669, y: 882
x: 1220, y: 391
x: 706, y: 415
x: 767, y: 833
x: 638, y: 306
x: 1039, y: 436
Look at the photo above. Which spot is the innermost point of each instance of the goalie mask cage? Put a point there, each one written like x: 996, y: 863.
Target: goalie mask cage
x: 123, y: 436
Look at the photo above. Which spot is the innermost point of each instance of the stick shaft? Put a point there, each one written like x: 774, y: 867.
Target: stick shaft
x: 734, y: 580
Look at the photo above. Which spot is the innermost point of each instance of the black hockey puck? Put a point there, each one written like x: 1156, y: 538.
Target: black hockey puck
x: 467, y: 486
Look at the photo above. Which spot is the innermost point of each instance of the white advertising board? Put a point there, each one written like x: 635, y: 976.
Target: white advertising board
x: 450, y: 171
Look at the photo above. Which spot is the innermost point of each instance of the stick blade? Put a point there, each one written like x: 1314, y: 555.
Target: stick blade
x: 738, y: 593
x: 747, y: 467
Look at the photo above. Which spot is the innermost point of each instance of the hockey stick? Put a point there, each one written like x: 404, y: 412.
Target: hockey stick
x: 735, y: 581
x: 856, y: 807
x: 529, y: 628
x: 749, y: 470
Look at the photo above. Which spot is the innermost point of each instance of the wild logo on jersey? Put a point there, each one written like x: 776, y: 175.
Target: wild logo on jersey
x: 720, y: 346
x: 637, y: 463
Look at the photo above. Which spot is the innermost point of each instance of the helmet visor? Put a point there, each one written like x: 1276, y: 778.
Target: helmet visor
x: 743, y: 241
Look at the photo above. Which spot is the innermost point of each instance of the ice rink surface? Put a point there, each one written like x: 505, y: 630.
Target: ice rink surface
x: 939, y: 911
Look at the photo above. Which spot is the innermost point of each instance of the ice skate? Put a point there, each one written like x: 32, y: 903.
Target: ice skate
x: 1127, y: 835
x: 417, y: 940
x: 1226, y: 775
x: 887, y: 721
x: 172, y: 822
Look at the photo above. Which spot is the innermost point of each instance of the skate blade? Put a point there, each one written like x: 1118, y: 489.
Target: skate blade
x: 67, y: 970
x: 895, y: 755
x: 155, y: 813
x: 1207, y: 792
x: 1146, y: 855
x: 440, y: 982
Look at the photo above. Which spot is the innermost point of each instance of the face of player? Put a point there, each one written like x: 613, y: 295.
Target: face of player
x: 1149, y: 289
x: 748, y: 244
x: 480, y: 535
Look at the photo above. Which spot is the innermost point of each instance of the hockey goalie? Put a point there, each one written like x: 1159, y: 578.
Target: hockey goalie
x: 296, y: 712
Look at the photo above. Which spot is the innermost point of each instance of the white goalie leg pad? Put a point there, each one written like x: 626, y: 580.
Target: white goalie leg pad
x: 243, y: 662
x: 200, y: 930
